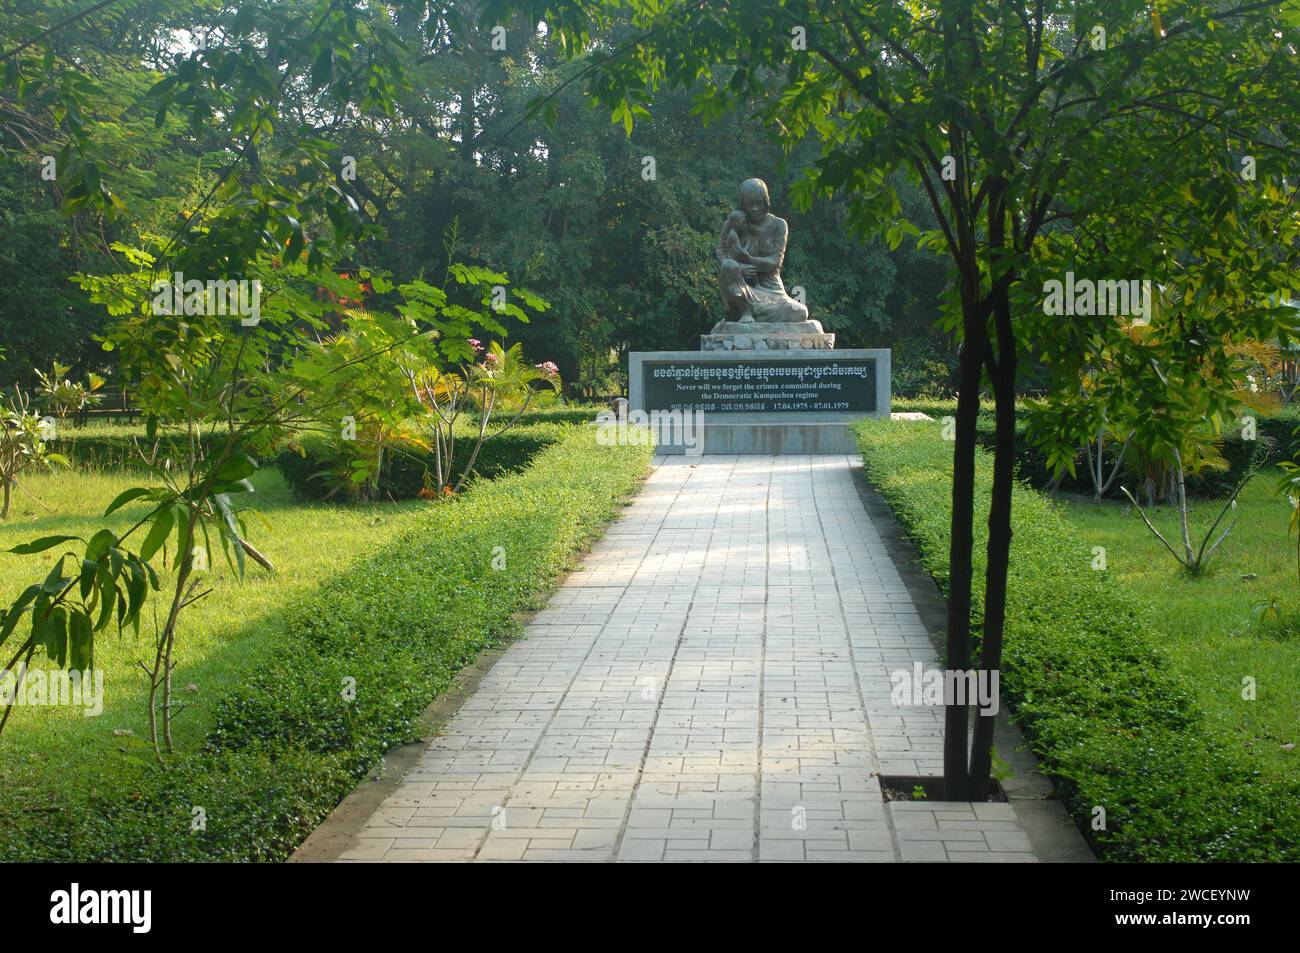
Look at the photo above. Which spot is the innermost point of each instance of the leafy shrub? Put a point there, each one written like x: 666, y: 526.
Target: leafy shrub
x: 921, y: 370
x: 23, y: 446
x: 406, y: 467
x: 1275, y: 433
x: 1106, y: 714
x: 61, y: 396
x: 286, y: 745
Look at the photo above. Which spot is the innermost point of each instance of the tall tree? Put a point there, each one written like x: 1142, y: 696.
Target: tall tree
x: 1004, y: 113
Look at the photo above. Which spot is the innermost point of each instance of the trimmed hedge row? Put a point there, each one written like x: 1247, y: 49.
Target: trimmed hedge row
x: 1277, y: 434
x: 111, y: 447
x: 287, y: 745
x: 112, y: 451
x: 403, y: 477
x: 1103, y: 709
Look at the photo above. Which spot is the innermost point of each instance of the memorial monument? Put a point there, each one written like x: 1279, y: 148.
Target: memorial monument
x: 766, y: 378
x: 759, y: 314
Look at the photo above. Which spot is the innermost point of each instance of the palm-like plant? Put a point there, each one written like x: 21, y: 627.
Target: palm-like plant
x: 502, y: 381
x: 61, y: 396
x: 23, y: 436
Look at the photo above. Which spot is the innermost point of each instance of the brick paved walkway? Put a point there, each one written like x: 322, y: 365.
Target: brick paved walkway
x: 711, y: 684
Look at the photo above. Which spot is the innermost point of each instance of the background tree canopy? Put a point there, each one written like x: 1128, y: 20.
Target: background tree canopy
x: 461, y: 168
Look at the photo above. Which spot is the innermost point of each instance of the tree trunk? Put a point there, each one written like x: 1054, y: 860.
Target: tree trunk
x: 1180, y: 488
x: 1002, y: 372
x: 467, y: 125
x: 962, y: 542
x: 1097, y: 483
x: 160, y: 675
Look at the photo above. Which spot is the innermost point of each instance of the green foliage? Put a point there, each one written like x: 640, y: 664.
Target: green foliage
x: 109, y: 446
x: 1275, y: 438
x: 921, y: 369
x: 1105, y: 711
x: 214, y: 374
x: 626, y: 262
x: 312, y: 469
x: 1288, y: 485
x: 63, y: 397
x: 287, y: 744
x: 23, y: 446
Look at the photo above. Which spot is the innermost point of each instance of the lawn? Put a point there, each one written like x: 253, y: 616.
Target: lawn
x: 393, y: 598
x: 1209, y: 624
x: 50, y: 751
x: 1128, y: 681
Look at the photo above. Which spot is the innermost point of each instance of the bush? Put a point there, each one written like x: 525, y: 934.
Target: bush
x: 286, y: 745
x: 572, y: 413
x: 404, y: 474
x: 919, y: 369
x: 1106, y: 714
x: 1276, y: 434
x: 116, y: 446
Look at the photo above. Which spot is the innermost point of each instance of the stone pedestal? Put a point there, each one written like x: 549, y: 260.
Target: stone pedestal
x: 760, y: 336
x: 787, y: 400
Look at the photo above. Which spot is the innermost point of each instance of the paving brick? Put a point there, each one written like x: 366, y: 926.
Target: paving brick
x: 717, y: 669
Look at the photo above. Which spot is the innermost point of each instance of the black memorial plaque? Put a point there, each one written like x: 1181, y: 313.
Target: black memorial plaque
x: 761, y: 386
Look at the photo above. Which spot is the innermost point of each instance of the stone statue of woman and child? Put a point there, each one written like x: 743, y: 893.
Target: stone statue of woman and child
x: 759, y: 313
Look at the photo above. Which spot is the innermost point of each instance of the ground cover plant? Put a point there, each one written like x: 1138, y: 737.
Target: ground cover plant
x: 1158, y: 737
x: 273, y: 741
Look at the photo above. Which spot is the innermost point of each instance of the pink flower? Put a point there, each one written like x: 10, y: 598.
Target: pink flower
x: 548, y: 369
x: 490, y: 360
x: 476, y: 344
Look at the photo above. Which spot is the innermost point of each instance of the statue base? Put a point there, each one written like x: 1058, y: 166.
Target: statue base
x: 786, y: 401
x: 762, y: 336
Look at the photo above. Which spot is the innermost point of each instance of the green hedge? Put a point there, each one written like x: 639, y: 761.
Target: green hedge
x: 1277, y: 434
x: 564, y: 414
x: 1103, y: 709
x: 404, y: 473
x: 101, y: 448
x: 114, y: 446
x: 286, y: 746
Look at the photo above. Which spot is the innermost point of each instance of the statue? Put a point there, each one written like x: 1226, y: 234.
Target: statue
x: 750, y: 251
x: 760, y: 315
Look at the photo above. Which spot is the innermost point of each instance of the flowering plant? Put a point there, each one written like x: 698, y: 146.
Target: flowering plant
x: 503, y: 380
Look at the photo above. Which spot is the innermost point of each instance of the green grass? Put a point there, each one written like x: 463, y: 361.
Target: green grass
x: 51, y: 752
x: 1208, y: 624
x: 396, y: 599
x: 1114, y: 711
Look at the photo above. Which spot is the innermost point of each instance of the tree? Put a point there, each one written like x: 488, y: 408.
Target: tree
x: 22, y: 445
x: 1005, y: 113
x: 270, y: 213
x: 70, y: 107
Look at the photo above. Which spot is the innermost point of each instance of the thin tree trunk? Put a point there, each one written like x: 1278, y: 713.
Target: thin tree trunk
x: 1003, y: 375
x: 167, y: 690
x: 1180, y: 487
x: 1097, y: 474
x: 961, y: 545
x: 160, y: 677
